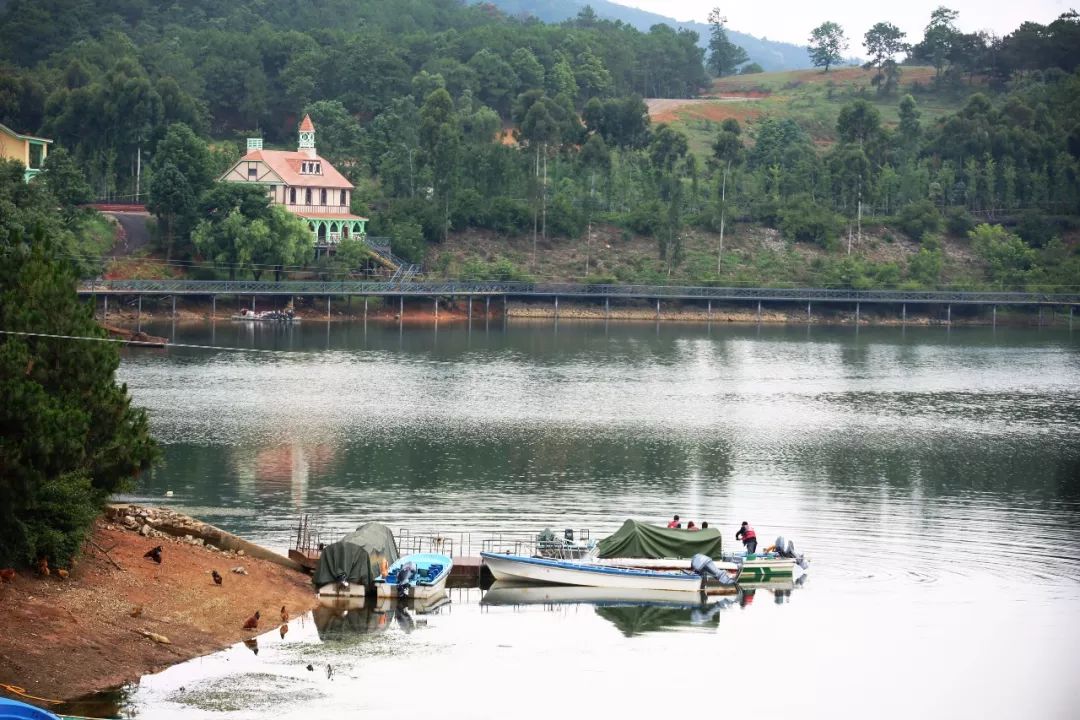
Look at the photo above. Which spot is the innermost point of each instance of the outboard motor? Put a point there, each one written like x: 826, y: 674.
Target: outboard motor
x: 788, y: 551
x: 402, y: 578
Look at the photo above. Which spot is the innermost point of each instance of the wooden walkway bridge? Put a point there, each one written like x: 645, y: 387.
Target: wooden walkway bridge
x: 402, y: 289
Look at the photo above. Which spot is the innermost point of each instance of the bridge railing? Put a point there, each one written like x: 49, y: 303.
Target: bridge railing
x: 405, y: 284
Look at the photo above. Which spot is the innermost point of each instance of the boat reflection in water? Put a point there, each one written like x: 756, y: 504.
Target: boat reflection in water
x: 345, y: 618
x: 636, y: 612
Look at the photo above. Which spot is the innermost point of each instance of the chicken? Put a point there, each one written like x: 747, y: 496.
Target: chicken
x: 136, y: 611
x: 284, y: 614
x: 62, y: 574
x: 217, y: 576
x: 283, y: 630
x: 252, y: 623
x: 154, y: 554
x: 7, y: 574
x: 43, y: 566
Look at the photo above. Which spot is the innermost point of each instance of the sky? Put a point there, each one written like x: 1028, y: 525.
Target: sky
x: 792, y: 20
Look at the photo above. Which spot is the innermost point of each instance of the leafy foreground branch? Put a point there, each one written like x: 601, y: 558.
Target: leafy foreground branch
x: 68, y: 434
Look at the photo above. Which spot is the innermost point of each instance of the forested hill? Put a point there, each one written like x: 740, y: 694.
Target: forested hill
x: 771, y: 55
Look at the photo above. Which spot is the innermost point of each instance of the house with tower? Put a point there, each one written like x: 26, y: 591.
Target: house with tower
x: 305, y: 184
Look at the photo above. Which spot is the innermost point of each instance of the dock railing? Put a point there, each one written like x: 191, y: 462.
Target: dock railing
x: 570, y: 545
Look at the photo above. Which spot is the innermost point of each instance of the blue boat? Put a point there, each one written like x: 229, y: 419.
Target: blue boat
x: 421, y: 575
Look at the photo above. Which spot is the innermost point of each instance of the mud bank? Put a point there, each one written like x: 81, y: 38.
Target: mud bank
x: 105, y: 624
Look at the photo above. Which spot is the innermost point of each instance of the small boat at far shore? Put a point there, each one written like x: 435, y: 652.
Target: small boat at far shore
x: 419, y: 576
x: 280, y: 316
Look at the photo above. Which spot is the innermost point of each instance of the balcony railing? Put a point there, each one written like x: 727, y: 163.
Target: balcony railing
x: 318, y: 209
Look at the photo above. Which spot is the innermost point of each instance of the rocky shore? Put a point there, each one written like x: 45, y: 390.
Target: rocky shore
x: 119, y: 615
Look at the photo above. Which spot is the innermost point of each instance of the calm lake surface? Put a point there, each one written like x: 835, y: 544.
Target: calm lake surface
x: 932, y: 475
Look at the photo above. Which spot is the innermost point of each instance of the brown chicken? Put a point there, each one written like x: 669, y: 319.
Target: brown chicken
x: 62, y: 574
x: 43, y: 566
x: 7, y: 575
x: 136, y: 611
x: 217, y: 576
x: 252, y: 623
x: 284, y: 614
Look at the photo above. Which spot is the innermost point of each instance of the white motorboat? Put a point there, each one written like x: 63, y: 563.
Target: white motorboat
x: 519, y: 568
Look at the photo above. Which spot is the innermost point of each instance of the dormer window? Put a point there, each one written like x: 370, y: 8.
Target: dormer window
x: 310, y: 168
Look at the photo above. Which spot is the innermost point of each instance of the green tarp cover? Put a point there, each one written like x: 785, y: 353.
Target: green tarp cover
x: 641, y: 540
x: 356, y: 557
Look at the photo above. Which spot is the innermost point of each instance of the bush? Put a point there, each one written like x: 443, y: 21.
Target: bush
x: 1035, y: 229
x: 646, y: 219
x: 919, y: 218
x: 803, y: 220
x: 958, y: 221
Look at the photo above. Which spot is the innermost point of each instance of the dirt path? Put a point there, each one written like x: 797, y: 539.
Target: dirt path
x: 66, y: 638
x: 133, y: 236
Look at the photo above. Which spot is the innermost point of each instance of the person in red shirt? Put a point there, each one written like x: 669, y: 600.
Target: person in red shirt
x: 748, y: 537
x: 675, y: 524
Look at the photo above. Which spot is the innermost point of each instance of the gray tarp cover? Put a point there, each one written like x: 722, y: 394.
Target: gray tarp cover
x: 356, y: 556
x: 641, y: 540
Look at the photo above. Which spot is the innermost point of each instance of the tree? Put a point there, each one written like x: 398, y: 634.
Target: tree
x: 173, y: 201
x: 724, y: 55
x: 882, y: 42
x: 69, y: 437
x: 440, y: 141
x: 728, y: 150
x: 938, y: 40
x: 827, y: 44
x: 65, y: 180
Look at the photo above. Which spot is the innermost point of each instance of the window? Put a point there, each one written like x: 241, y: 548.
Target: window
x: 322, y: 197
x: 318, y: 168
x: 252, y: 171
x: 343, y: 200
x: 292, y: 196
x: 307, y: 196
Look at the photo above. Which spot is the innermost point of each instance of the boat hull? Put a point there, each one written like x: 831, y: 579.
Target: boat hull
x: 757, y: 570
x: 518, y: 568
x: 335, y: 590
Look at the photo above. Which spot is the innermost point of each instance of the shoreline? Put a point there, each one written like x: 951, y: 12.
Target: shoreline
x: 120, y: 616
x: 457, y: 311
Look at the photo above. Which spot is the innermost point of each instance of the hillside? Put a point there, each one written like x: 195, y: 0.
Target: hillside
x: 810, y: 97
x: 770, y: 54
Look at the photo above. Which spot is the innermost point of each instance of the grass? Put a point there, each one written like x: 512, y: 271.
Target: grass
x: 811, y: 97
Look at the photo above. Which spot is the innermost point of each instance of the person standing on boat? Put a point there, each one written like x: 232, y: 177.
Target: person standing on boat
x: 748, y: 536
x: 675, y: 524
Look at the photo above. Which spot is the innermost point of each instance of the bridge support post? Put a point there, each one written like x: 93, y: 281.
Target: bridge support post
x: 1070, y: 316
x: 365, y: 309
x: 174, y: 307
x: 1040, y: 311
x: 469, y: 298
x: 213, y: 307
x: 105, y: 310
x: 436, y: 308
x: 903, y: 314
x: 487, y: 308
x: 657, y: 308
x: 556, y: 307
x: 808, y: 311
x: 948, y: 314
x: 327, y: 306
x: 138, y: 316
x: 759, y: 311
x: 607, y: 308
x: 994, y: 321
x: 401, y: 307
x: 857, y: 313
x: 253, y: 303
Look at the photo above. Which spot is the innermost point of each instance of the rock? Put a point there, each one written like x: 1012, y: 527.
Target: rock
x: 130, y: 522
x: 155, y: 637
x: 240, y: 570
x: 240, y: 553
x: 144, y: 531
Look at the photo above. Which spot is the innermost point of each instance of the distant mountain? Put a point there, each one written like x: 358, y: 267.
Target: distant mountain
x: 771, y: 55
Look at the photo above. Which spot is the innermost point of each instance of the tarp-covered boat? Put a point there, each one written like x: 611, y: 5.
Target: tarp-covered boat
x: 349, y: 566
x: 642, y: 540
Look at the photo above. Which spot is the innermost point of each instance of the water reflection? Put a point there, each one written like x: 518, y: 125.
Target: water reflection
x: 344, y: 620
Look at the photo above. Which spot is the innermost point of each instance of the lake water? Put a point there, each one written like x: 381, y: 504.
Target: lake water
x: 932, y: 475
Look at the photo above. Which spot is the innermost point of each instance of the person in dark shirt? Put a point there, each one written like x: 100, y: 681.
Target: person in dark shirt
x: 748, y: 537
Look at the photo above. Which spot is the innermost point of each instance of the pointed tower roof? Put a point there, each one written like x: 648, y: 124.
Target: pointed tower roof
x: 306, y: 125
